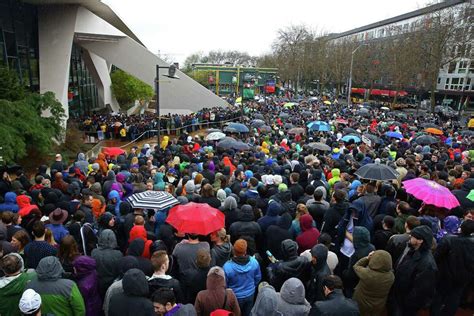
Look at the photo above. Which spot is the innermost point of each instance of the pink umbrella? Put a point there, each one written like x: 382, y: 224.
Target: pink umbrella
x: 431, y: 192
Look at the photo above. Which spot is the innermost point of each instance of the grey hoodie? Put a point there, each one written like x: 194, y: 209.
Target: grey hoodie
x: 82, y: 163
x: 265, y: 303
x: 108, y: 259
x: 291, y: 299
x: 49, y: 269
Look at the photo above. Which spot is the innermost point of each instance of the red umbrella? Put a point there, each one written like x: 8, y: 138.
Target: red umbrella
x: 196, y: 218
x: 113, y: 151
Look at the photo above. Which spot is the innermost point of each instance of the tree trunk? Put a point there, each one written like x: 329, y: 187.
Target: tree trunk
x: 432, y: 99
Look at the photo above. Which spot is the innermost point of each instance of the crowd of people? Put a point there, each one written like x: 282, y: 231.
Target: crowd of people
x: 303, y: 234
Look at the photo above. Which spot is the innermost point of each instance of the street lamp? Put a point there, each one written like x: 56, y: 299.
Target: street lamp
x: 350, y: 74
x: 171, y: 74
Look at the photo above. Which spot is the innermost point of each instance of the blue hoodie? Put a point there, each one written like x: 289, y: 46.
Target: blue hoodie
x: 115, y: 195
x: 10, y: 203
x: 353, y: 188
x: 271, y: 217
x: 242, y: 277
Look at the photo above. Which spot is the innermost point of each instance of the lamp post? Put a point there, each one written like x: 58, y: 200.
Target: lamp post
x: 171, y: 74
x: 349, y: 90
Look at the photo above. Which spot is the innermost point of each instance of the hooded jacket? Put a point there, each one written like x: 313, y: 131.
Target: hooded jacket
x: 415, y: 273
x: 139, y: 232
x: 245, y: 226
x: 136, y: 249
x: 58, y: 296
x: 335, y: 177
x: 220, y: 254
x: 213, y: 296
x: 229, y: 208
x: 242, y: 275
x: 107, y: 259
x: 10, y: 203
x: 271, y: 217
x: 362, y: 218
x: 11, y: 289
x: 82, y: 163
x: 133, y: 301
x: 267, y: 300
x: 291, y: 265
x: 336, y: 304
x: 276, y: 234
x: 88, y: 283
x: 309, y: 236
x: 461, y: 195
x: 375, y: 281
x: 318, y: 272
x: 115, y: 195
x: 291, y: 299
x: 332, y: 217
x: 25, y: 208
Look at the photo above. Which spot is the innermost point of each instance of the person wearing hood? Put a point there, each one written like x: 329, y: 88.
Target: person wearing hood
x: 103, y: 165
x: 309, y: 236
x: 291, y: 298
x: 59, y: 296
x: 334, y: 214
x: 13, y: 283
x: 158, y: 182
x: 271, y: 217
x: 336, y: 172
x: 245, y: 226
x: 461, y: 196
x: 216, y: 295
x: 455, y: 258
x: 107, y: 259
x: 336, y: 304
x: 82, y: 163
x: 291, y: 265
x: 9, y: 203
x: 243, y: 274
x: 230, y: 210
x: 415, y: 273
x: 134, y: 299
x: 114, y: 199
x: 276, y: 234
x: 135, y: 249
x: 222, y: 249
x: 353, y: 188
x: 319, y: 270
x: 362, y: 248
x: 24, y: 205
x: 85, y: 275
x: 375, y: 281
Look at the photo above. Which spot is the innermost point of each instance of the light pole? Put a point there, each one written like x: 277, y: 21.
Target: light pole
x: 349, y: 90
x: 171, y: 74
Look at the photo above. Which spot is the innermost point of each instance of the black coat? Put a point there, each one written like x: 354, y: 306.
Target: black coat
x: 275, y: 234
x: 155, y: 283
x: 245, y: 226
x: 336, y: 304
x: 297, y: 191
x: 193, y: 283
x: 317, y: 211
x: 332, y: 217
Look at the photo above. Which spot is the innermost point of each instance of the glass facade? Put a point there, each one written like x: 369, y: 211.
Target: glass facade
x: 82, y: 93
x: 19, y: 41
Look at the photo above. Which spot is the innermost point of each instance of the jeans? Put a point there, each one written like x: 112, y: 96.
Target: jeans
x: 246, y: 305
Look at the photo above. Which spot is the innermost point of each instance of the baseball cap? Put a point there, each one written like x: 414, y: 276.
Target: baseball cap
x: 30, y: 302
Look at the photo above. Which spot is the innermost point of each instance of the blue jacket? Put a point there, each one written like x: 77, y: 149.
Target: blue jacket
x: 58, y: 230
x: 115, y: 195
x: 242, y: 277
x: 271, y: 218
x: 10, y: 203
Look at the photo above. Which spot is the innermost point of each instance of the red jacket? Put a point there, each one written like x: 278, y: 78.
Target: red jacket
x: 309, y: 236
x: 139, y: 231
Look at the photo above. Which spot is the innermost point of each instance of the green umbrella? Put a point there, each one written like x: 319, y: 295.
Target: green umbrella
x: 470, y: 196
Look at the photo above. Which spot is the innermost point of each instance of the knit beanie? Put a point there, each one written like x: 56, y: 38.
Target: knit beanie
x: 240, y: 248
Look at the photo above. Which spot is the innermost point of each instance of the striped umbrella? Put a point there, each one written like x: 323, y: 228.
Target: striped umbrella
x: 157, y: 200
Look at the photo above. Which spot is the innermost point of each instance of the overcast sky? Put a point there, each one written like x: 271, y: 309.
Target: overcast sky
x: 179, y: 28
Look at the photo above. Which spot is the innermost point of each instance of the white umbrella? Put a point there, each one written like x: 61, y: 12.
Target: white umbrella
x: 157, y: 200
x: 215, y: 136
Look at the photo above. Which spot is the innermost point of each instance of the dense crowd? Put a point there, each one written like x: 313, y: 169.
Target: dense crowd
x: 303, y: 234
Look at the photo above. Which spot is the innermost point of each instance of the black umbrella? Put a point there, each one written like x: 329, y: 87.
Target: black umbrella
x: 373, y: 139
x: 288, y: 126
x: 467, y: 133
x: 376, y: 171
x: 265, y: 128
x: 257, y: 123
x: 430, y: 125
x: 319, y: 146
x: 363, y: 112
x: 307, y: 113
x: 259, y: 116
x: 426, y: 140
x: 349, y: 130
x: 284, y: 115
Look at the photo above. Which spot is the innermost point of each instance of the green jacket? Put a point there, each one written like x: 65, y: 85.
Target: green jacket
x: 399, y: 225
x: 375, y: 280
x: 11, y: 289
x: 58, y: 296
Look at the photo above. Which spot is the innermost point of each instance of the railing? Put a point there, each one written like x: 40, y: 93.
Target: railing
x: 94, y: 151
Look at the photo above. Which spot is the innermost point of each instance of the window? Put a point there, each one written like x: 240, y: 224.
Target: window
x: 462, y: 67
x: 455, y: 81
x: 439, y: 80
x: 447, y: 80
x: 452, y: 67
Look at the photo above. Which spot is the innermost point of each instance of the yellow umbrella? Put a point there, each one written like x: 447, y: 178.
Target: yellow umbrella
x: 238, y: 100
x: 288, y: 105
x: 327, y: 102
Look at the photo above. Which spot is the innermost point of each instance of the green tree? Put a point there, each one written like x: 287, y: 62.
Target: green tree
x: 10, y: 88
x: 126, y: 88
x: 23, y: 126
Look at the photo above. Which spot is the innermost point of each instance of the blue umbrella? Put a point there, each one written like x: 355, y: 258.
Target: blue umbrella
x: 237, y: 127
x: 394, y: 135
x: 319, y: 126
x: 348, y: 138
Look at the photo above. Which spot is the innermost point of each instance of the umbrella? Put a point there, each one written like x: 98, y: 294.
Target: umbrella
x: 470, y: 196
x: 259, y: 116
x: 376, y: 171
x: 288, y: 105
x: 401, y: 115
x: 372, y: 138
x: 113, y: 151
x: 384, y: 108
x: 196, y: 218
x: 342, y: 121
x: 230, y: 143
x: 288, y: 126
x: 117, y: 124
x: 430, y: 125
x: 434, y: 131
x: 307, y: 113
x: 212, y: 130
x: 215, y: 136
x: 284, y: 115
x: 319, y: 126
x: 467, y: 133
x: 363, y: 112
x: 327, y: 102
x: 237, y: 127
x: 431, y: 192
x: 348, y: 138
x: 426, y: 140
x: 238, y: 100
x: 349, y: 130
x: 265, y: 128
x: 296, y: 130
x: 394, y: 135
x: 319, y: 146
x: 257, y: 123
x: 157, y: 200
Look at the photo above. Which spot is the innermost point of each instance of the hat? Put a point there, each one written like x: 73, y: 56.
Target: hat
x: 72, y: 170
x: 58, y: 155
x: 282, y: 187
x: 240, y: 248
x: 30, y: 302
x: 217, y: 270
x: 400, y: 162
x: 58, y: 216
